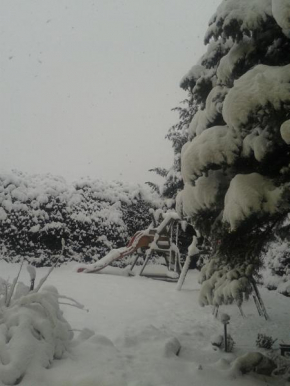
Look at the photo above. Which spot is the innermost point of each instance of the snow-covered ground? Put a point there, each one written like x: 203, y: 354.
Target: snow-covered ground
x: 138, y: 324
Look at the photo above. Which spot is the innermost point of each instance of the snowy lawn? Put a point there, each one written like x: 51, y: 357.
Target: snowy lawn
x: 139, y: 323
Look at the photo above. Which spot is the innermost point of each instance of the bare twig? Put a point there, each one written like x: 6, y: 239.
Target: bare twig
x: 74, y: 305
x: 6, y: 291
x: 73, y: 300
x: 41, y: 281
x: 11, y: 291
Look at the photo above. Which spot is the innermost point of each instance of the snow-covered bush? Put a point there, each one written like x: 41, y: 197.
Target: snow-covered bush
x: 235, y: 164
x: 282, y: 364
x: 222, y: 285
x: 276, y: 275
x: 253, y: 361
x: 265, y: 341
x: 277, y: 257
x: 33, y: 331
x: 36, y: 212
x: 230, y: 343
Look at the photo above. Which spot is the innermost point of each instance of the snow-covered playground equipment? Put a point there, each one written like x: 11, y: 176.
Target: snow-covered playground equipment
x: 155, y: 239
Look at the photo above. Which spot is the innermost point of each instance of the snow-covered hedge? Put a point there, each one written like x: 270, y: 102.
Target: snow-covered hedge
x: 36, y: 212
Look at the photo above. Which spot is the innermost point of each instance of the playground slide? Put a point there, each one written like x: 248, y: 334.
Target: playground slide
x: 154, y: 238
x: 140, y: 239
x: 113, y: 255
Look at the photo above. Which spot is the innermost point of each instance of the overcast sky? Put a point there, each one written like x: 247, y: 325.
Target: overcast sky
x: 87, y: 86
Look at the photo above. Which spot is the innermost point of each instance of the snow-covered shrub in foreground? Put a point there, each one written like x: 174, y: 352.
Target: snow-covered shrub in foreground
x: 33, y: 331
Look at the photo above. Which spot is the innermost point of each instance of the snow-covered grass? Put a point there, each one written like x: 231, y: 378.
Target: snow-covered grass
x: 139, y: 326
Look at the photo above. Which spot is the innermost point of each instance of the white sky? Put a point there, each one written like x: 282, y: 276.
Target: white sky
x: 87, y: 86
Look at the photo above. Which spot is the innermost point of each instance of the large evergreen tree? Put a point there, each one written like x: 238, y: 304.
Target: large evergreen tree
x: 235, y: 165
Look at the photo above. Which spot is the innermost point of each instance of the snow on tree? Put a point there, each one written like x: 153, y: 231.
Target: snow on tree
x: 235, y: 164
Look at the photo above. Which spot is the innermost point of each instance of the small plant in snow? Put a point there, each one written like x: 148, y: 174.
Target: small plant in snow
x: 265, y: 341
x: 230, y: 343
x: 33, y: 331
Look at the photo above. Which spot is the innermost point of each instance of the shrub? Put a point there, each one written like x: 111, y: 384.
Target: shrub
x: 265, y: 341
x: 36, y: 212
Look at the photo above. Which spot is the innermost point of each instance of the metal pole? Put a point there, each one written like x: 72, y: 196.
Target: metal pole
x: 226, y: 338
x: 145, y: 262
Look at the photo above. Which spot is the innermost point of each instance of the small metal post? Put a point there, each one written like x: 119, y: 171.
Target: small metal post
x: 225, y: 319
x: 31, y: 284
x: 226, y: 337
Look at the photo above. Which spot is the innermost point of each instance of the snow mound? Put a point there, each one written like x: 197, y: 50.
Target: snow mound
x: 252, y: 361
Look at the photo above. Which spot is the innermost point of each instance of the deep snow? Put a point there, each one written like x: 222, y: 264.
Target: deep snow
x: 139, y: 323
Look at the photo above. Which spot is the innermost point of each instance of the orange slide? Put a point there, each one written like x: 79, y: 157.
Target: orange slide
x: 157, y: 239
x: 141, y: 239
